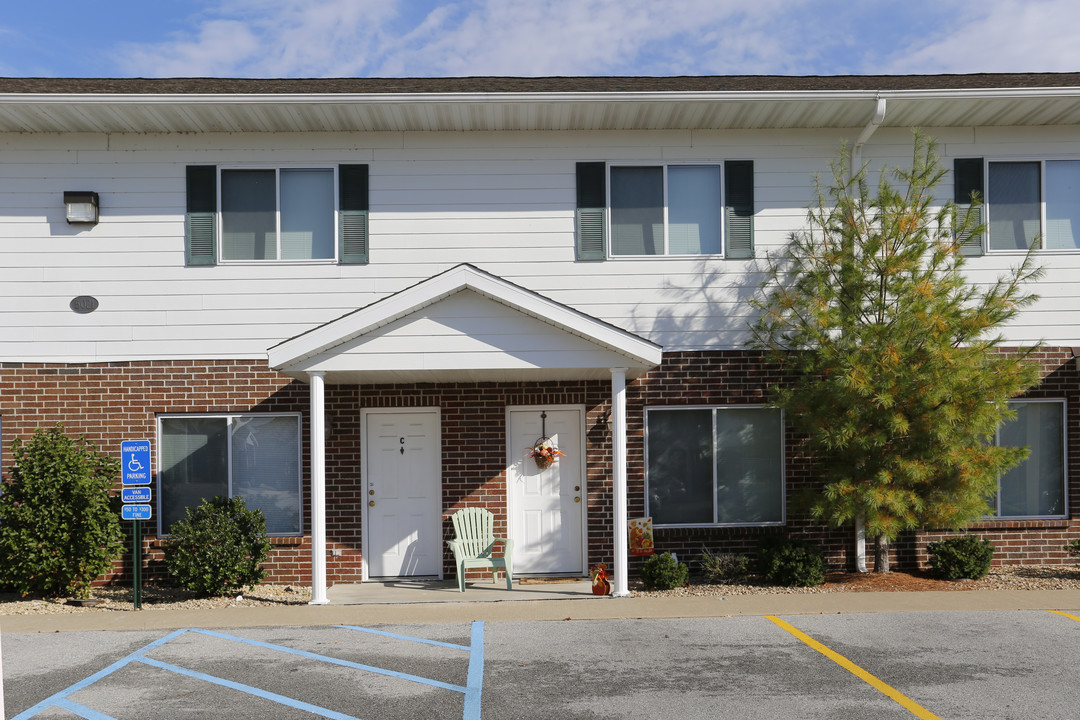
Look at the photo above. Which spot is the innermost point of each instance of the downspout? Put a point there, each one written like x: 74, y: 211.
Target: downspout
x: 870, y: 129
x: 856, y: 166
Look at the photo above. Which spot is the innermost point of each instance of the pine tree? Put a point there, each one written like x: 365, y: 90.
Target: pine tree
x: 898, y: 377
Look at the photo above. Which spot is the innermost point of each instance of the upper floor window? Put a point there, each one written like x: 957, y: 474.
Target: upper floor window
x: 665, y: 209
x: 282, y: 214
x: 1026, y: 202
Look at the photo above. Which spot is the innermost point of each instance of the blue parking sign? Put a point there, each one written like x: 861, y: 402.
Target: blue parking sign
x: 135, y: 494
x: 135, y: 462
x: 135, y: 512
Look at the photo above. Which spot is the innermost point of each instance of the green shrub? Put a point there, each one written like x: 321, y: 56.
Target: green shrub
x: 723, y: 567
x: 58, y: 531
x: 664, y: 572
x: 963, y: 556
x: 220, y: 546
x: 1073, y: 548
x: 790, y: 562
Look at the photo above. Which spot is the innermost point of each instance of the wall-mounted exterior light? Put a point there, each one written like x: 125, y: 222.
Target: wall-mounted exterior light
x: 82, y: 207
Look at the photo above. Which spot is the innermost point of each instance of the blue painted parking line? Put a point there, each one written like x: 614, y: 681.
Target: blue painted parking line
x: 472, y: 691
x: 396, y: 636
x: 336, y: 661
x: 257, y: 692
x: 62, y: 696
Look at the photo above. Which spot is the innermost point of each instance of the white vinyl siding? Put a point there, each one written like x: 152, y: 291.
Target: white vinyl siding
x: 504, y: 202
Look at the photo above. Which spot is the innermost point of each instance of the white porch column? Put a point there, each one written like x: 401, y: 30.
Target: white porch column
x: 318, y: 489
x: 618, y: 476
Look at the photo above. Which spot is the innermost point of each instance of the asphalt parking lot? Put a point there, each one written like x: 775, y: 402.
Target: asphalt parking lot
x: 999, y: 664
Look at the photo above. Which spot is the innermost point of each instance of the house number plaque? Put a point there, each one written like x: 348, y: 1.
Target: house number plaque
x: 84, y: 304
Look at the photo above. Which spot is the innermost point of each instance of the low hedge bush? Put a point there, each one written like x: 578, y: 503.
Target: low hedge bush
x: 963, y: 556
x: 664, y: 572
x: 790, y: 562
x: 218, y: 547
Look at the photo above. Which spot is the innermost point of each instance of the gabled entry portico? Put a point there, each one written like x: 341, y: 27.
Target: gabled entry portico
x: 463, y: 325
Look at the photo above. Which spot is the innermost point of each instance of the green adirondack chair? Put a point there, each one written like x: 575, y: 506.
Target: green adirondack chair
x: 475, y: 545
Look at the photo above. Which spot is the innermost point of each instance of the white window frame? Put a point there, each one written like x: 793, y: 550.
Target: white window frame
x: 664, y: 167
x: 714, y: 409
x: 1064, y: 460
x: 229, y: 417
x: 277, y: 168
x: 989, y: 208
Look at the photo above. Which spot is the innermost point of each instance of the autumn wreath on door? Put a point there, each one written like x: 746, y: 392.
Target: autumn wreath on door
x: 544, y: 452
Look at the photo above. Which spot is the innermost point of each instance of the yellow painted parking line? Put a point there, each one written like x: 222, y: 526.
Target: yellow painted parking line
x: 1065, y: 614
x: 907, y: 703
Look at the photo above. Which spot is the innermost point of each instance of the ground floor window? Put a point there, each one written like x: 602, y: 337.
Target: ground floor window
x: 1035, y: 487
x: 715, y: 466
x: 256, y: 457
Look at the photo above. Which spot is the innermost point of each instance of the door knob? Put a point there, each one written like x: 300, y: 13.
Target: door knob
x: 371, y: 504
x: 577, y: 499
x: 370, y: 492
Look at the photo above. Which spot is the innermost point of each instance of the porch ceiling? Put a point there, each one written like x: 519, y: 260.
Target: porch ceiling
x: 464, y: 325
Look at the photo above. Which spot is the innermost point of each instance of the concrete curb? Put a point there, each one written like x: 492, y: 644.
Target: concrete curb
x: 599, y: 608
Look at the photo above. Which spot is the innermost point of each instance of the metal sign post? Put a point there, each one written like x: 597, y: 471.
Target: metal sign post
x: 135, y: 468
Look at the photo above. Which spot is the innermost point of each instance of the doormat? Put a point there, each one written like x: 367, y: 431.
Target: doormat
x: 550, y: 580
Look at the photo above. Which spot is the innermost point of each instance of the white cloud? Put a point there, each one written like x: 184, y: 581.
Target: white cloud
x: 290, y: 38
x: 999, y: 36
x: 396, y: 38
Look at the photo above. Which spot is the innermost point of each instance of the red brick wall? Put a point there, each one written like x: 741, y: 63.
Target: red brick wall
x: 737, y: 377
x: 110, y: 402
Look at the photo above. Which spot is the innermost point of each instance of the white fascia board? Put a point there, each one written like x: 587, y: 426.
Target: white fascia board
x: 462, y: 277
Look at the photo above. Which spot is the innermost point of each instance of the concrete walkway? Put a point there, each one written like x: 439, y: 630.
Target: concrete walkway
x: 421, y: 602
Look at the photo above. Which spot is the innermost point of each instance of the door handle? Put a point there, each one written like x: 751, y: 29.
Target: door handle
x: 577, y: 499
x: 371, y: 504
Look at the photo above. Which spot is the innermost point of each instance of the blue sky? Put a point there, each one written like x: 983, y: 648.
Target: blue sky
x: 398, y: 38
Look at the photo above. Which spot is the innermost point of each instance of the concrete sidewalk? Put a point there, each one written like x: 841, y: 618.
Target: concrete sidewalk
x: 416, y: 602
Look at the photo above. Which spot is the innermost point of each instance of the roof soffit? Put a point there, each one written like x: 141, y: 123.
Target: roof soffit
x: 462, y: 104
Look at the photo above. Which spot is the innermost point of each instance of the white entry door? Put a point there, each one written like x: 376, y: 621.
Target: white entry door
x: 547, y: 506
x: 402, y: 494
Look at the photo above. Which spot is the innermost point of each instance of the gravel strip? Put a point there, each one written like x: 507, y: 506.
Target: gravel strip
x: 1009, y: 577
x: 155, y: 597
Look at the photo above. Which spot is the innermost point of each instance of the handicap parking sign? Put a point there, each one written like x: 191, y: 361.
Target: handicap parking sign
x: 135, y: 462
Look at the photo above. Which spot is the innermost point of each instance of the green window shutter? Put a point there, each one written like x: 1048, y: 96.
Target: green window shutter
x: 739, y: 208
x: 200, y: 222
x: 353, y: 214
x: 969, y: 186
x: 591, y: 217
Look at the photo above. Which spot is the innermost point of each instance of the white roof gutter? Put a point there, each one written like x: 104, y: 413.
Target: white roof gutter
x: 535, y: 97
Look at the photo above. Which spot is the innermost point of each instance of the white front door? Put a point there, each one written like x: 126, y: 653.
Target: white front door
x: 547, y: 506
x: 402, y: 494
